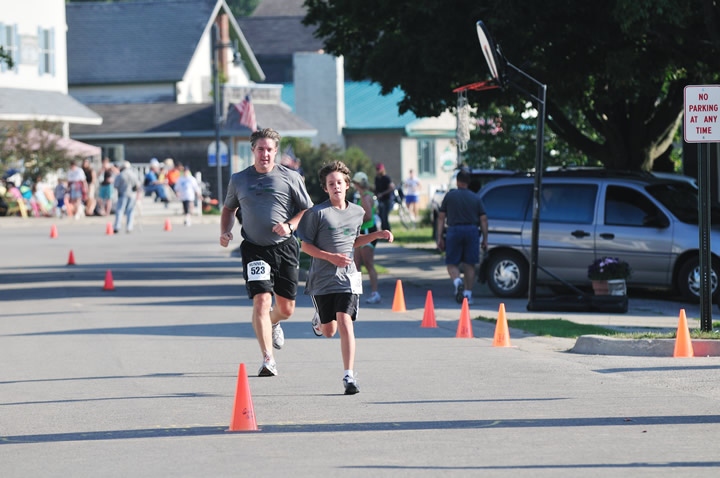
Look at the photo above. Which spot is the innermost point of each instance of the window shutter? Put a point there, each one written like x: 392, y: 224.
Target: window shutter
x: 51, y: 47
x: 16, y: 56
x: 41, y: 56
x: 3, y: 36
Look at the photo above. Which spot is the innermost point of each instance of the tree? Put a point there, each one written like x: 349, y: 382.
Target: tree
x: 6, y: 57
x: 33, y: 148
x: 615, y: 70
x: 313, y: 159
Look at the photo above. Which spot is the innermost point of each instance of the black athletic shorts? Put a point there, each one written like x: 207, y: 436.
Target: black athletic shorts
x: 271, y: 269
x: 328, y: 305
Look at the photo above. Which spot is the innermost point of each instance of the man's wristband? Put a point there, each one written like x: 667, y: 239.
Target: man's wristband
x: 292, y: 228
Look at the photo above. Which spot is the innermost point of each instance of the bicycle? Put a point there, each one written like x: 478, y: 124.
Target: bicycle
x: 406, y: 217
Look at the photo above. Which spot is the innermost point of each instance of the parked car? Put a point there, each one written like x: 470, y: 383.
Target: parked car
x: 478, y: 179
x: 649, y: 222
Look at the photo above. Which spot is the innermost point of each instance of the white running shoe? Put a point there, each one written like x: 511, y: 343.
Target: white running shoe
x: 268, y: 368
x: 374, y: 298
x: 468, y: 297
x: 278, y: 336
x: 351, y: 385
x: 316, y: 324
x: 459, y: 290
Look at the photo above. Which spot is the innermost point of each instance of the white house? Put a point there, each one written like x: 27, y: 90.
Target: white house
x: 33, y: 32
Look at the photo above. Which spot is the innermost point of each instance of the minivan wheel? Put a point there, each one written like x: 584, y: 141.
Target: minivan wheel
x: 507, y: 275
x: 688, y: 282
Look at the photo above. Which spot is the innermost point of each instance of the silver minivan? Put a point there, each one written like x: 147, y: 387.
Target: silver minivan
x: 649, y: 222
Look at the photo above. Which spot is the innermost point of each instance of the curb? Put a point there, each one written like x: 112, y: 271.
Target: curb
x: 601, y: 345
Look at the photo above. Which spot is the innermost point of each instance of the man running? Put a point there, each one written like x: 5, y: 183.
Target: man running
x: 273, y: 199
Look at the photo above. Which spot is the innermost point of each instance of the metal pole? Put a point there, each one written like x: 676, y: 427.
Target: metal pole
x: 539, y: 147
x: 214, y: 45
x: 704, y: 222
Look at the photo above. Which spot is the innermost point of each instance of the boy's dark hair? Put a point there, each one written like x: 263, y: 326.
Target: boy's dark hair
x: 335, y: 166
x: 265, y: 133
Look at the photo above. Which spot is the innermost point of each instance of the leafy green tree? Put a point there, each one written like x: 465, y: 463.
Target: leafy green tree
x: 6, y: 57
x: 312, y: 159
x: 615, y: 70
x: 33, y: 147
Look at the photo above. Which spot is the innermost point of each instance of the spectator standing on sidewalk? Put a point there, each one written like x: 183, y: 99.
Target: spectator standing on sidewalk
x: 385, y: 193
x: 329, y: 232
x: 77, y: 186
x: 464, y: 211
x: 365, y: 255
x: 273, y: 200
x: 127, y: 185
x: 187, y: 190
x: 92, y: 181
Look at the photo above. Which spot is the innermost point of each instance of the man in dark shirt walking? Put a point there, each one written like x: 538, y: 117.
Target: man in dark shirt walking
x: 464, y: 211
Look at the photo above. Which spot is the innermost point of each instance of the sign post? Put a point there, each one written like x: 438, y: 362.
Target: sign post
x: 702, y: 105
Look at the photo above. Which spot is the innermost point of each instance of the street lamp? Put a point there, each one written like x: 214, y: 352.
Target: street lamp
x: 215, y: 45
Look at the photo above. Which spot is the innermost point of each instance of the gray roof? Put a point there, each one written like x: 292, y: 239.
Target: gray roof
x: 280, y: 8
x: 17, y: 104
x: 172, y: 120
x: 145, y: 41
x: 278, y: 35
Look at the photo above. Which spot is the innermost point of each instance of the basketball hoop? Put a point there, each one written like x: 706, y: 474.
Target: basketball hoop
x: 462, y: 133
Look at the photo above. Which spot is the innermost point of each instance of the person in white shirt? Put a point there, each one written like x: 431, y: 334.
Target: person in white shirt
x: 187, y: 190
x: 412, y: 188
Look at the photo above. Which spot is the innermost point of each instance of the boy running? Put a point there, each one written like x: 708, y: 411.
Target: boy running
x: 329, y: 232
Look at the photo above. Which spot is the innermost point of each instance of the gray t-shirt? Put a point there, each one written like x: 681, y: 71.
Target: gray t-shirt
x: 266, y: 200
x: 126, y: 181
x: 332, y: 230
x: 463, y: 207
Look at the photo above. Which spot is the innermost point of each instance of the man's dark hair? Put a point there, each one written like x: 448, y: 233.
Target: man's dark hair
x: 265, y: 133
x: 463, y: 177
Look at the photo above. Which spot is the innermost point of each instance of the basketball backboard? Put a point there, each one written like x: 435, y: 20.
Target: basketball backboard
x: 490, y: 52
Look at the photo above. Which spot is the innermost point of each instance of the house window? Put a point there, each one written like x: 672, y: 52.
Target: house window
x: 46, y: 45
x: 426, y: 156
x: 244, y: 154
x: 9, y: 42
x: 116, y: 152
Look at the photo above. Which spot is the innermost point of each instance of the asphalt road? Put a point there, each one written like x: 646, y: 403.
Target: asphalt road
x: 140, y: 381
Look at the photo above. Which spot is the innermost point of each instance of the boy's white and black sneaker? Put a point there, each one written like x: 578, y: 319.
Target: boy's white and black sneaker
x: 268, y: 368
x: 459, y: 290
x: 351, y: 385
x: 278, y: 336
x: 316, y: 324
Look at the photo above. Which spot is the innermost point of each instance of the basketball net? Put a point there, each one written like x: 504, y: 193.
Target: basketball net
x: 462, y: 133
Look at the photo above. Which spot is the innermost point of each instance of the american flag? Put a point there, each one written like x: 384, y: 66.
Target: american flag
x: 247, y: 113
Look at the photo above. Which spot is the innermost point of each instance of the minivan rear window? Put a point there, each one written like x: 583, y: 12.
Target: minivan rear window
x: 567, y: 203
x: 682, y: 200
x: 507, y: 202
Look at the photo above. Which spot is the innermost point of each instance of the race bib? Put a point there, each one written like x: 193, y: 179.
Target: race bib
x: 356, y: 282
x: 258, y: 270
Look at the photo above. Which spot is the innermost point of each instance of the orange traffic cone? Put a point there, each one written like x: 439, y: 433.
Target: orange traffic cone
x: 108, y: 281
x: 683, y: 344
x: 399, y: 300
x: 53, y: 232
x: 243, y: 417
x: 464, y: 330
x: 429, y: 315
x: 168, y: 226
x: 71, y: 258
x: 502, y: 335
x: 109, y: 229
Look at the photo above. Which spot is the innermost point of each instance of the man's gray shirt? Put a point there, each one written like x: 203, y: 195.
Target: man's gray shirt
x: 332, y: 230
x: 265, y: 200
x: 463, y: 207
x: 126, y: 182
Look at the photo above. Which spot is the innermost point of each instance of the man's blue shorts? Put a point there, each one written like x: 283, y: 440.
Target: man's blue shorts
x: 462, y: 244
